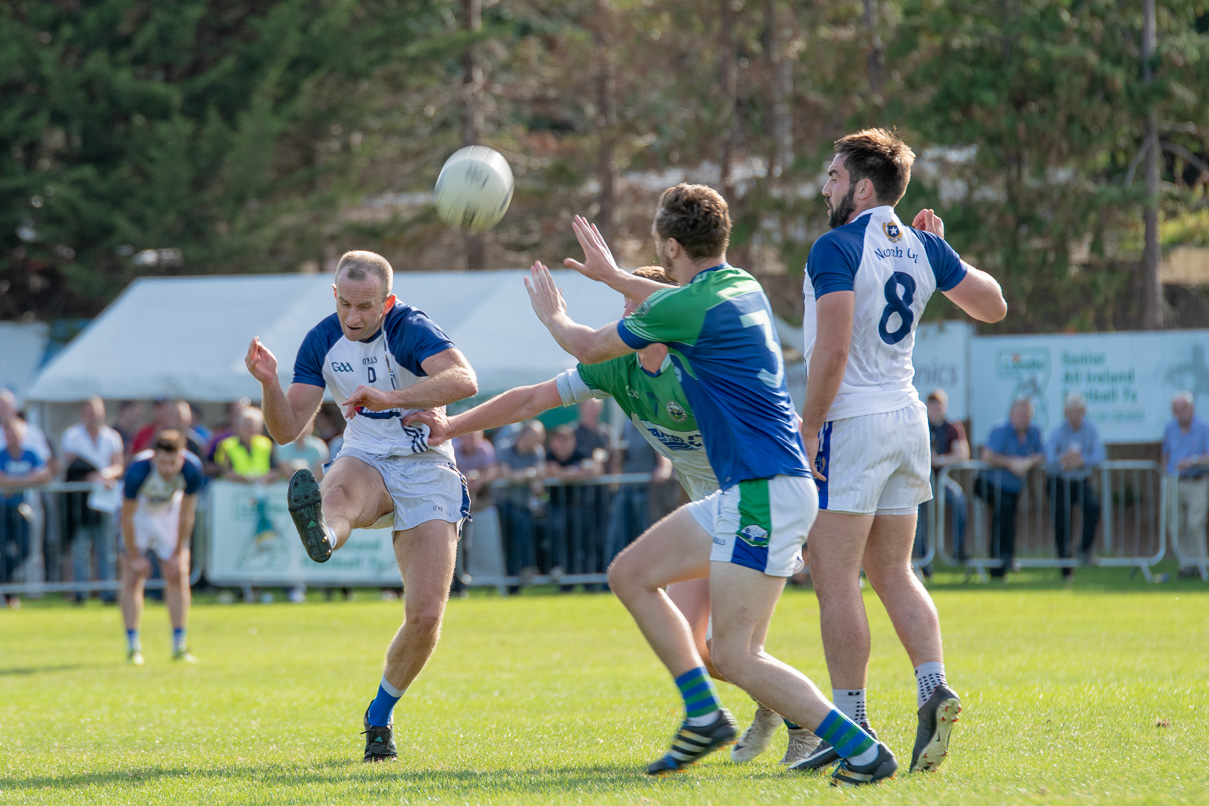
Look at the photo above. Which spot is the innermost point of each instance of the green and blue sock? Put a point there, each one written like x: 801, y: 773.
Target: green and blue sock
x: 847, y: 737
x: 700, y: 696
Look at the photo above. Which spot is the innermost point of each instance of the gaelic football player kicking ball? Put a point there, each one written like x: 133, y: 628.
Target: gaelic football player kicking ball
x: 382, y: 360
x: 746, y: 537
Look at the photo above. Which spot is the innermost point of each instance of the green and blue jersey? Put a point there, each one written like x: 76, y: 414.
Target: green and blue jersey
x: 719, y: 332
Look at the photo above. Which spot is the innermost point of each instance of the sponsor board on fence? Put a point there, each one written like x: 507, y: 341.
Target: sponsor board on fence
x: 942, y: 361
x: 1127, y: 379
x: 253, y: 540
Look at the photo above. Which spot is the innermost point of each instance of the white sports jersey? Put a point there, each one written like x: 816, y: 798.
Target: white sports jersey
x: 893, y: 270
x: 390, y: 359
x: 144, y: 484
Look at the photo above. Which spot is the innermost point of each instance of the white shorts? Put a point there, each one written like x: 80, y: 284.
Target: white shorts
x: 760, y: 524
x: 876, y: 462
x: 157, y: 529
x: 423, y: 489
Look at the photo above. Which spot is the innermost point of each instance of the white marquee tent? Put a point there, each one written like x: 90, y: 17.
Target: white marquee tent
x: 187, y: 337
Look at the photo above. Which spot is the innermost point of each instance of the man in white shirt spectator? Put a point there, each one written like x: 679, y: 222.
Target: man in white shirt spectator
x: 91, y: 451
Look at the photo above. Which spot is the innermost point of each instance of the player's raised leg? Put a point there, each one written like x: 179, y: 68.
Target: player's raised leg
x: 352, y: 495
x: 674, y: 550
x: 426, y: 560
x: 888, y: 565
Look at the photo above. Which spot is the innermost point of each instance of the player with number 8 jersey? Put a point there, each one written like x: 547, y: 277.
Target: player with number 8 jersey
x: 864, y: 427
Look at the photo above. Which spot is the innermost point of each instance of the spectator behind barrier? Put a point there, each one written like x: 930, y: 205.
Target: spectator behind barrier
x: 92, y: 451
x: 571, y: 517
x: 1185, y: 456
x: 128, y: 422
x: 948, y: 445
x: 247, y: 455
x: 33, y: 438
x: 222, y: 432
x: 523, y: 464
x: 1013, y: 449
x: 19, y: 465
x: 1072, y: 452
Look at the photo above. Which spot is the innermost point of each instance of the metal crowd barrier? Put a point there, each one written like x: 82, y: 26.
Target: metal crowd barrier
x: 1174, y: 511
x: 566, y: 534
x: 1133, y: 510
x: 52, y: 541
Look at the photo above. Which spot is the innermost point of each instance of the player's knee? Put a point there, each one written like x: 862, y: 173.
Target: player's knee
x: 623, y: 579
x: 730, y: 660
x: 425, y: 620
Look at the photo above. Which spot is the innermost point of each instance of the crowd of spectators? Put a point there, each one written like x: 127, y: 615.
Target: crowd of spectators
x: 556, y: 518
x: 1067, y: 457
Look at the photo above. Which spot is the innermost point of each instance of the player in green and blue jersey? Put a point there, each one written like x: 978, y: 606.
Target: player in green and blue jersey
x: 746, y: 537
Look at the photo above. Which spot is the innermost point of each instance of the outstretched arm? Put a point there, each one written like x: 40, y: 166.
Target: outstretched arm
x: 599, y: 264
x: 450, y: 378
x: 285, y: 413
x: 513, y: 406
x: 588, y: 345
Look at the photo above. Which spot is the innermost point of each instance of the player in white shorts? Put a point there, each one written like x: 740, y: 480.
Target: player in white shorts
x: 745, y: 538
x: 645, y: 387
x: 866, y: 432
x: 158, y: 506
x: 382, y: 360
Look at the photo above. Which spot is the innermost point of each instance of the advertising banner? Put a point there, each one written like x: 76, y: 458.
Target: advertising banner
x: 1127, y: 379
x: 942, y: 361
x: 253, y: 540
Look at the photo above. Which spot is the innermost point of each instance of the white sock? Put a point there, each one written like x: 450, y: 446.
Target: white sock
x: 866, y: 757
x: 851, y: 703
x: 331, y: 537
x: 928, y: 677
x: 391, y: 690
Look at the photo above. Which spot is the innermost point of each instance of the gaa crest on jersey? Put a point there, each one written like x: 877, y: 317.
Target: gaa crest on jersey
x: 676, y: 411
x: 893, y: 231
x: 754, y: 535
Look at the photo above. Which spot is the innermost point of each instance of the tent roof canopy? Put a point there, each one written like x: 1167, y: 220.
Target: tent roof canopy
x: 187, y: 337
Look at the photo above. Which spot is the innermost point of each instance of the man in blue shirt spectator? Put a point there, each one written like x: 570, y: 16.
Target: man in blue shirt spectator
x: 20, y: 466
x: 1013, y: 449
x: 1072, y: 451
x: 1186, y: 457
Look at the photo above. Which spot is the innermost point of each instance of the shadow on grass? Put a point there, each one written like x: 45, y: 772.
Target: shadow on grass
x: 16, y: 671
x: 355, y: 773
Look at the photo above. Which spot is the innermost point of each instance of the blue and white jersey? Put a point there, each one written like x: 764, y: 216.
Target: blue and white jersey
x: 156, y: 493
x: 892, y: 269
x: 388, y: 360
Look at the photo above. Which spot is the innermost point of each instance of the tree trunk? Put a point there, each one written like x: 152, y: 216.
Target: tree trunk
x: 876, y: 50
x: 730, y: 90
x: 780, y: 94
x: 472, y: 113
x: 606, y: 118
x: 1152, y: 289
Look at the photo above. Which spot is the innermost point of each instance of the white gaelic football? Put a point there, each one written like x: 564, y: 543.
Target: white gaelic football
x: 474, y: 188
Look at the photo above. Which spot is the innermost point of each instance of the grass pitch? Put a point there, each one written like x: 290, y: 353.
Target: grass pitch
x: 1095, y: 693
